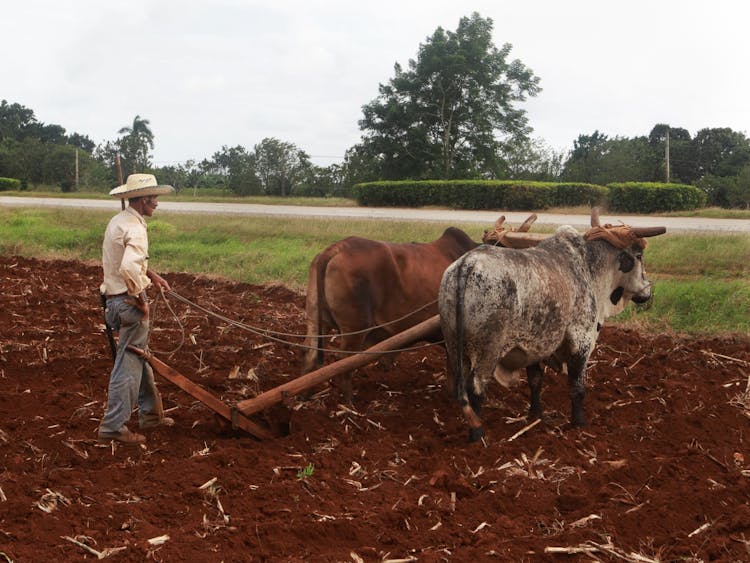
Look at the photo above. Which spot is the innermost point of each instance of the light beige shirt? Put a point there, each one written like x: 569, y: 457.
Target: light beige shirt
x: 125, y: 254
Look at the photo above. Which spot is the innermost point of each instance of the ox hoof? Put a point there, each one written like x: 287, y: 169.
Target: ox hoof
x: 476, y: 434
x: 534, y: 415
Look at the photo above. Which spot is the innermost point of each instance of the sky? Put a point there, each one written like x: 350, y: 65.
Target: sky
x: 233, y: 72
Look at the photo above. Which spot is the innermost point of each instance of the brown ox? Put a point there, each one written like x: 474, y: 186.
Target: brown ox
x: 369, y: 290
x: 357, y: 284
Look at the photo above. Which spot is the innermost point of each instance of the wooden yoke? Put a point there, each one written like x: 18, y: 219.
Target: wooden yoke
x: 514, y: 239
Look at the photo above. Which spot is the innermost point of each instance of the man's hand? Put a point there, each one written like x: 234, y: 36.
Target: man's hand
x: 140, y: 302
x: 159, y: 282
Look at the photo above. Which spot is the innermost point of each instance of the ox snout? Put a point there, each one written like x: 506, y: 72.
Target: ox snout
x: 644, y: 295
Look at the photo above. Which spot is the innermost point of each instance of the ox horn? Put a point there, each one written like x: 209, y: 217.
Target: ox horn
x: 526, y: 225
x: 648, y: 231
x: 595, y: 217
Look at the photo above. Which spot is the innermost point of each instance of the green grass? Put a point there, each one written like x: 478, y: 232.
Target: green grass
x: 699, y: 255
x: 701, y: 280
x: 51, y: 233
x: 699, y: 307
x: 713, y: 213
x: 207, y: 195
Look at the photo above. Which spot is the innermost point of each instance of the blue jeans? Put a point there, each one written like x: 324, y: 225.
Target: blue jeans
x: 131, y: 381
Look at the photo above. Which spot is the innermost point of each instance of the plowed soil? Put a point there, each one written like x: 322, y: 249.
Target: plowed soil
x: 662, y: 472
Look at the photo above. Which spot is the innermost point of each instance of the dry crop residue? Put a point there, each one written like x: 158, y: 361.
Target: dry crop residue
x: 661, y: 472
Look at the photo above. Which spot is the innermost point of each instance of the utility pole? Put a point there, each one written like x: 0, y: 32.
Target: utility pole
x: 119, y: 177
x: 76, y: 169
x: 666, y: 155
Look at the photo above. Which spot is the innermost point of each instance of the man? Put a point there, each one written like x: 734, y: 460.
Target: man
x: 126, y: 278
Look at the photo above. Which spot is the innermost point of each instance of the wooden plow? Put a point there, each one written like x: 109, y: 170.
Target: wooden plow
x: 238, y: 414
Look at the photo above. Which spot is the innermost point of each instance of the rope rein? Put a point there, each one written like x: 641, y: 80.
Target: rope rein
x: 153, y: 310
x: 276, y: 336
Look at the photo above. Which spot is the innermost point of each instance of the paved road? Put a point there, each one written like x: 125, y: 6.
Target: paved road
x: 447, y: 216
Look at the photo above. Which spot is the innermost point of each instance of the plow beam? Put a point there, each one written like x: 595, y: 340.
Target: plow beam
x: 237, y: 419
x: 303, y: 382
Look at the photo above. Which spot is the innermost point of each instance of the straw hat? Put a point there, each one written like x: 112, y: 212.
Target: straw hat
x: 140, y: 185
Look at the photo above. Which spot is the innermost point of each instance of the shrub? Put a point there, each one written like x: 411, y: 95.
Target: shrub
x: 10, y: 184
x: 478, y: 194
x: 576, y: 195
x: 728, y: 191
x: 653, y: 197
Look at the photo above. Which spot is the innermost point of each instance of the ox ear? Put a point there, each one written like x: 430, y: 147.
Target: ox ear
x: 627, y: 262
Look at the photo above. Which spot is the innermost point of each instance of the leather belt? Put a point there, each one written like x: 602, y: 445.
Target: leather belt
x: 117, y: 295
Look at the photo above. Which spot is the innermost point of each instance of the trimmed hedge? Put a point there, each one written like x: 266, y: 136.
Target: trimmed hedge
x: 518, y: 195
x: 479, y: 194
x: 652, y: 197
x: 9, y: 184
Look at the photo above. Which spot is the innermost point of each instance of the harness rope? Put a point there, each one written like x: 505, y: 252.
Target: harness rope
x: 619, y: 236
x: 495, y: 237
x: 275, y: 335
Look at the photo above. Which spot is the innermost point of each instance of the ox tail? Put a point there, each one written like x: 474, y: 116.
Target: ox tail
x: 314, y: 304
x: 316, y: 307
x: 469, y: 401
x: 460, y: 381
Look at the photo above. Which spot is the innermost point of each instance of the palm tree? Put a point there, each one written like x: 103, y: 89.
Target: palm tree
x: 135, y: 144
x: 140, y: 129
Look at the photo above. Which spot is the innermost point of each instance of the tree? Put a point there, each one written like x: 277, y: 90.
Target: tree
x: 51, y: 134
x: 597, y: 159
x: 41, y: 153
x: 738, y: 195
x: 717, y: 189
x: 106, y: 154
x: 188, y: 175
x: 82, y: 142
x: 140, y: 129
x: 280, y: 165
x: 658, y: 134
x: 682, y: 166
x: 135, y: 144
x: 360, y: 166
x: 238, y: 165
x: 441, y: 117
x: 720, y: 152
x: 629, y: 160
x: 585, y: 160
x: 58, y: 167
x: 727, y: 191
x: 15, y: 121
x: 36, y: 162
x: 322, y: 181
x: 532, y: 159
